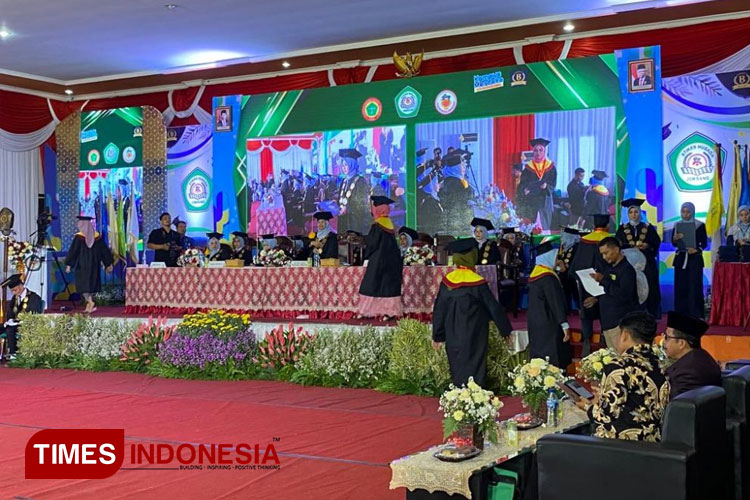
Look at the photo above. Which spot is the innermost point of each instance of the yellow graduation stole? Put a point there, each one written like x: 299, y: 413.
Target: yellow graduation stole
x: 386, y: 223
x: 540, y: 168
x: 461, y: 277
x: 541, y: 271
x: 595, y: 237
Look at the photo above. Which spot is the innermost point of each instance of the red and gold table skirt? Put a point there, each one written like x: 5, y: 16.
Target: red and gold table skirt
x: 730, y: 294
x: 277, y: 292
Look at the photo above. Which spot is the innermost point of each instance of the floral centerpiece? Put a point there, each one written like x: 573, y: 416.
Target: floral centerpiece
x: 274, y: 257
x: 419, y: 256
x: 283, y: 347
x: 18, y: 251
x: 191, y: 258
x: 216, y: 322
x: 592, y: 366
x: 470, y: 406
x: 533, y: 382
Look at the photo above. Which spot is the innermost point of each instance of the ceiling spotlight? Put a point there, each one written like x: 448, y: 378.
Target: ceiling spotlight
x: 4, y: 33
x: 286, y: 64
x: 68, y: 91
x: 170, y: 6
x: 569, y: 27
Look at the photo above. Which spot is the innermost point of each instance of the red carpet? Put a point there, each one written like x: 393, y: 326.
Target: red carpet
x: 334, y: 443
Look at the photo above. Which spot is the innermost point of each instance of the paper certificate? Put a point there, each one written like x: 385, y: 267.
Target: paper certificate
x: 589, y: 284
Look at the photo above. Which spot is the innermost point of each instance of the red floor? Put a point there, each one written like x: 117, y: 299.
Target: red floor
x: 334, y: 443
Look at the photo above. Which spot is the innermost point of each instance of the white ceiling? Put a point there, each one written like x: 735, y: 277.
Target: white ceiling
x: 70, y: 40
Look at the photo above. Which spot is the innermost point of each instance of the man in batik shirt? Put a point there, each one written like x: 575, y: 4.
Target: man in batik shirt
x: 634, y: 392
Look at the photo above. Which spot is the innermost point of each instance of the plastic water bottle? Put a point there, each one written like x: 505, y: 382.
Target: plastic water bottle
x: 512, y: 430
x: 316, y: 259
x: 552, y: 405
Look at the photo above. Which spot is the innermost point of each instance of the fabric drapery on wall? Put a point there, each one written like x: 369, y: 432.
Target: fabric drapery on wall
x: 266, y: 157
x: 583, y: 139
x: 511, y: 136
x: 22, y: 183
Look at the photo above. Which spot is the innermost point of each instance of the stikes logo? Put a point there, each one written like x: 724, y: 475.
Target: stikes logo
x: 75, y: 453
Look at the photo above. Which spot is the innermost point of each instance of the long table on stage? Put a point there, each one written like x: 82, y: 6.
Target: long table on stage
x: 730, y: 294
x: 277, y: 292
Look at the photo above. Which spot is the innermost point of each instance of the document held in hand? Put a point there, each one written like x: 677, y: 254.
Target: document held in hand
x: 589, y: 284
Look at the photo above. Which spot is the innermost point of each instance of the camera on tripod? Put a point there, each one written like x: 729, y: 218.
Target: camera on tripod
x: 43, y: 222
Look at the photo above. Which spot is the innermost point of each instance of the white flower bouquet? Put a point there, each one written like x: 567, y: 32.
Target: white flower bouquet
x: 18, y: 251
x: 534, y: 380
x: 419, y: 256
x: 191, y: 258
x: 274, y: 257
x: 592, y: 366
x: 470, y: 405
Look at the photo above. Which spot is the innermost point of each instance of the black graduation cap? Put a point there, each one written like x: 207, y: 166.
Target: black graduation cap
x: 452, y: 160
x: 601, y: 220
x: 323, y: 215
x: 12, y: 281
x: 421, y: 152
x: 84, y: 217
x: 123, y: 182
x: 268, y: 236
x: 464, y: 245
x: 508, y: 230
x: 350, y: 153
x: 632, y: 202
x: 570, y: 230
x: 407, y: 230
x: 543, y: 248
x: 688, y: 325
x: 381, y: 200
x: 476, y: 221
x: 218, y: 236
x: 538, y: 140
x: 599, y: 174
x: 518, y: 166
x: 240, y: 234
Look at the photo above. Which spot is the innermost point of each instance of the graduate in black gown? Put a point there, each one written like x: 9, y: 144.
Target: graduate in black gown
x: 407, y: 238
x: 549, y: 332
x: 693, y: 367
x: 587, y: 256
x: 239, y: 248
x: 596, y: 199
x: 688, y: 266
x: 87, y: 254
x: 380, y: 291
x: 489, y: 253
x: 569, y: 240
x: 455, y: 194
x: 23, y: 301
x: 635, y: 233
x: 326, y: 242
x: 538, y: 181
x: 461, y: 316
x: 354, y: 201
x: 216, y: 250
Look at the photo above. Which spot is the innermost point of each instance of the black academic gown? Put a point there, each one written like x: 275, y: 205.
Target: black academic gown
x: 489, y: 253
x: 383, y: 275
x: 587, y: 256
x: 31, y: 303
x: 576, y: 192
x: 546, y: 313
x: 538, y: 200
x: 695, y: 369
x: 621, y: 297
x: 566, y: 277
x: 688, y: 278
x: 644, y: 232
x: 594, y: 203
x: 354, y: 196
x: 455, y: 198
x: 330, y: 247
x: 87, y: 262
x: 461, y: 317
x: 244, y: 255
x: 224, y: 253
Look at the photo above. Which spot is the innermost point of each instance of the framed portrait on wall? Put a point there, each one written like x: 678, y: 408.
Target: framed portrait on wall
x: 223, y: 119
x: 641, y: 75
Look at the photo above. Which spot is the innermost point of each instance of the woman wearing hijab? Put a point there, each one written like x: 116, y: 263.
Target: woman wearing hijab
x: 380, y: 291
x: 739, y: 234
x: 353, y: 196
x: 636, y: 233
x: 489, y: 253
x: 688, y: 266
x: 216, y: 250
x: 549, y: 331
x: 239, y: 248
x: 325, y: 242
x: 407, y: 237
x: 87, y: 253
x: 455, y: 194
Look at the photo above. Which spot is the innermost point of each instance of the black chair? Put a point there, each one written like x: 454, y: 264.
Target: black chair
x: 737, y: 387
x: 690, y: 463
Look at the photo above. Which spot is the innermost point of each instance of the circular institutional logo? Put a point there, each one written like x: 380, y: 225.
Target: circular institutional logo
x: 372, y: 108
x: 94, y: 157
x: 128, y: 154
x: 408, y: 102
x: 446, y: 102
x: 692, y: 163
x: 111, y: 154
x: 518, y: 78
x: 196, y: 191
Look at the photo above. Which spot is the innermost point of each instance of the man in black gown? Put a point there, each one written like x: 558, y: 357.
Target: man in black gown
x: 538, y: 181
x: 596, y: 199
x: 461, y: 316
x: 164, y: 242
x: 693, y: 367
x: 576, y: 193
x: 23, y: 301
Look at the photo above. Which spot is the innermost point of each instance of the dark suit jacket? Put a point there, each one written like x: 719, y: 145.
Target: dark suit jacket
x: 695, y: 369
x: 646, y: 81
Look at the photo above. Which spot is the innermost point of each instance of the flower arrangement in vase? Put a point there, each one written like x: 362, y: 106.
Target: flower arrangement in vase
x: 473, y: 408
x: 18, y: 252
x: 419, y: 256
x: 533, y: 381
x: 274, y: 257
x: 592, y: 366
x: 191, y: 258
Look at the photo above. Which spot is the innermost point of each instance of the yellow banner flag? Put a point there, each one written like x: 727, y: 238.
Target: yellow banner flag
x: 716, y: 209
x: 735, y: 189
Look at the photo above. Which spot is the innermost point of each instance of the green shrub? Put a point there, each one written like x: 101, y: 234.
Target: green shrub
x: 47, y: 340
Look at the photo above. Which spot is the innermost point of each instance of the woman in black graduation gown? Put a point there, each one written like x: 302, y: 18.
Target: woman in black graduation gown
x: 239, y: 248
x: 87, y: 253
x: 549, y: 331
x: 407, y: 237
x: 216, y: 250
x: 461, y: 316
x: 688, y: 266
x: 380, y: 291
x: 325, y: 242
x: 489, y: 253
x: 353, y: 194
x: 641, y: 235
